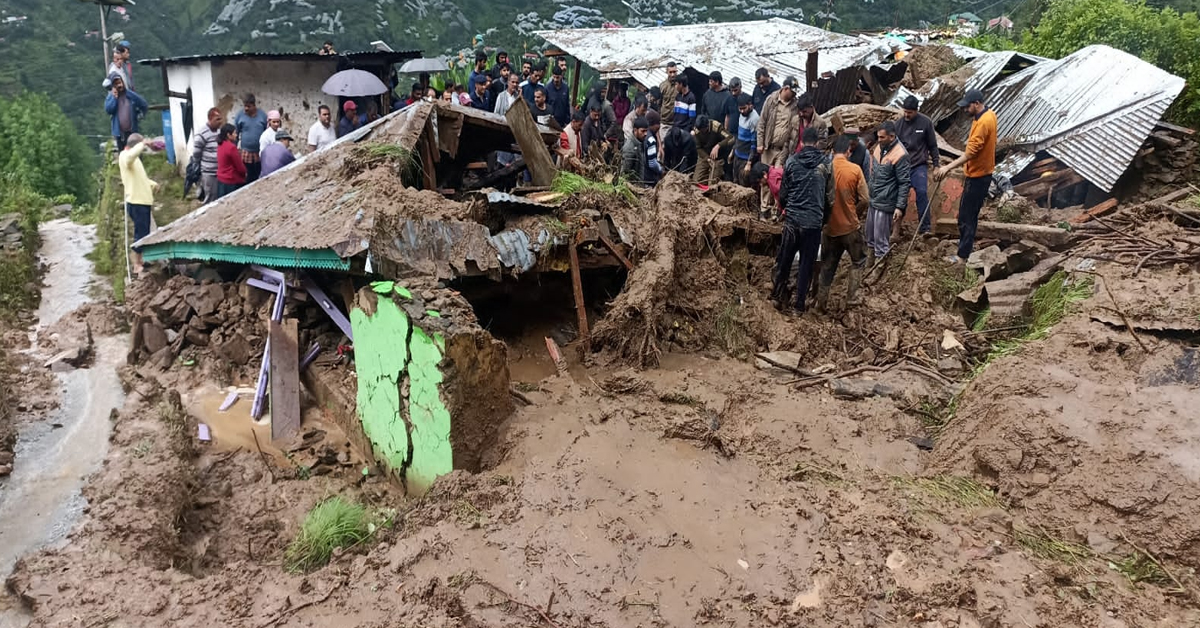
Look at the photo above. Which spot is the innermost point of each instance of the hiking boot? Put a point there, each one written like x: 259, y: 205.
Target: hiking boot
x: 822, y: 298
x: 852, y: 298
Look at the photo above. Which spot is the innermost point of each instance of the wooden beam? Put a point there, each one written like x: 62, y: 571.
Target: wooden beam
x: 612, y: 248
x: 577, y: 289
x: 428, y: 168
x: 1177, y: 129
x: 285, y: 379
x: 1102, y: 209
x: 1051, y: 237
x: 575, y: 83
x: 533, y: 147
x: 811, y: 75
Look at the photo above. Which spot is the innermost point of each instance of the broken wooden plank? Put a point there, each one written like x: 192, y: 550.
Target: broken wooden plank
x: 1038, y: 187
x: 1174, y: 128
x: 1103, y: 209
x: 612, y: 248
x: 533, y: 147
x: 285, y: 379
x: 577, y: 289
x: 1051, y: 237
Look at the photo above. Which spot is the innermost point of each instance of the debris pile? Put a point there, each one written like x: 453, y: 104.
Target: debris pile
x: 1167, y: 159
x: 928, y: 62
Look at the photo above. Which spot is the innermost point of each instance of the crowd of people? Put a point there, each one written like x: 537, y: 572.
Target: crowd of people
x: 835, y: 195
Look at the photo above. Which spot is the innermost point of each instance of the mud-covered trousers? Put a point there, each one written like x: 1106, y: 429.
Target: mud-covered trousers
x: 806, y: 242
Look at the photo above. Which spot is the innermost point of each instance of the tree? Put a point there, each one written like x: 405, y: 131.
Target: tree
x: 42, y: 149
x: 1164, y: 37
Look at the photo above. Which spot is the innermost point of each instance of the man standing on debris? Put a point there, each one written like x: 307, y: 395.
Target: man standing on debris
x: 633, y: 153
x: 541, y: 112
x: 802, y: 194
x: 717, y: 104
x: 278, y: 154
x: 745, y: 149
x: 570, y: 144
x: 666, y: 94
x: 125, y: 107
x: 809, y: 118
x: 843, y: 233
x: 713, y: 144
x: 778, y: 125
x: 558, y: 95
x: 250, y: 123
x: 321, y: 133
x: 980, y: 160
x: 506, y: 98
x: 888, y: 188
x: 204, y: 149
x: 480, y: 98
x: 764, y: 86
x: 231, y: 170
x: 916, y: 132
x: 139, y: 192
x: 685, y: 105
x: 593, y: 130
x: 640, y: 107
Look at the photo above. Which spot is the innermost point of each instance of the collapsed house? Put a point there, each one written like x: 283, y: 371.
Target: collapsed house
x: 1069, y: 129
x: 830, y: 64
x: 364, y: 271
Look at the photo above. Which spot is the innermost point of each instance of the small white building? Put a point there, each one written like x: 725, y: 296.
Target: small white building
x: 288, y: 82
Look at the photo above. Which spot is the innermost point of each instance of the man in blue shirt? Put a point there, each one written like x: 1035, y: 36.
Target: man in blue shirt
x: 764, y: 86
x: 558, y: 95
x: 685, y: 104
x: 125, y: 107
x: 535, y: 81
x: 278, y: 154
x: 480, y: 68
x: 250, y: 123
x: 481, y: 98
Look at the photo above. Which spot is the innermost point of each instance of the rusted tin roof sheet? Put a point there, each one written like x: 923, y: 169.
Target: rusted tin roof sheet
x: 1092, y: 110
x: 305, y: 205
x: 732, y: 48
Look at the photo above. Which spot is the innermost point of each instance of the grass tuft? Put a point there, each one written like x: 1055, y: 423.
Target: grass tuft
x: 1138, y: 568
x: 331, y: 524
x: 731, y: 329
x: 960, y: 491
x: 570, y: 183
x: 1010, y: 214
x: 949, y: 281
x: 1044, y: 545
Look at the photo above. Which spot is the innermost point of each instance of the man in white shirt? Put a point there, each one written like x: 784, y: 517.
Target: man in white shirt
x: 274, y: 123
x: 506, y: 98
x: 322, y: 133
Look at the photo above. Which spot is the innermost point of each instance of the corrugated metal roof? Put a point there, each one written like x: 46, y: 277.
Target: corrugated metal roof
x: 939, y: 97
x: 732, y: 48
x: 395, y: 56
x: 1092, y: 110
x: 303, y: 206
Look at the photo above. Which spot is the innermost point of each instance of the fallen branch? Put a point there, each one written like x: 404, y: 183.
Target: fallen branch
x: 1157, y: 563
x: 1137, y: 269
x: 520, y: 396
x: 1121, y: 313
x: 807, y: 382
x: 510, y: 599
x: 285, y: 614
x: 920, y: 370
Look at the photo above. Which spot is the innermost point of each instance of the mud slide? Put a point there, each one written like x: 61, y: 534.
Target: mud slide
x: 41, y: 500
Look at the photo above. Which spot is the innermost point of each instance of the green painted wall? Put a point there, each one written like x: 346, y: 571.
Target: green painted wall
x: 412, y: 439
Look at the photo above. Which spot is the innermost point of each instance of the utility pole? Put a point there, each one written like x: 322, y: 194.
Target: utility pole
x: 104, y: 36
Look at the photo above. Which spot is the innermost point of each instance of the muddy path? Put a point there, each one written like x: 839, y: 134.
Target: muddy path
x: 41, y: 501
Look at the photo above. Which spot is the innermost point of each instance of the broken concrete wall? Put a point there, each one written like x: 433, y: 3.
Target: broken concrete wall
x: 432, y: 387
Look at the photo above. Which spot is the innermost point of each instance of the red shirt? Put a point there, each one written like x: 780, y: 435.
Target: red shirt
x: 230, y: 168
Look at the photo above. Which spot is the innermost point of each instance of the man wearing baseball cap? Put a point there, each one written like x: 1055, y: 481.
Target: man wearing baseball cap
x: 349, y: 122
x: 278, y: 154
x: 980, y: 162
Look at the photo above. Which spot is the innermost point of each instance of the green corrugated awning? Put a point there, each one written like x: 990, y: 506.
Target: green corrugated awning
x: 277, y: 257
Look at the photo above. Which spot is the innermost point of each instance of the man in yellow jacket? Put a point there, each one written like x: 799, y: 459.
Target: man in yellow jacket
x: 139, y: 191
x: 980, y: 160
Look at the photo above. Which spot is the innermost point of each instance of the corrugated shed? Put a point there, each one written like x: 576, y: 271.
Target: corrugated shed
x: 939, y: 97
x: 732, y: 48
x: 1092, y: 110
x: 367, y: 56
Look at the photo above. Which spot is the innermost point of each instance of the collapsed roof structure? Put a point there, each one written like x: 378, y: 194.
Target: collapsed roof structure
x: 732, y: 48
x: 1066, y: 107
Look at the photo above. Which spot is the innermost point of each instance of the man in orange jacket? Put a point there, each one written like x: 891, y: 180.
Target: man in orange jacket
x: 980, y: 160
x: 843, y: 232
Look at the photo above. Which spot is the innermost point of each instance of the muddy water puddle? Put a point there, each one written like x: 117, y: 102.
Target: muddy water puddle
x: 41, y: 501
x: 234, y: 429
